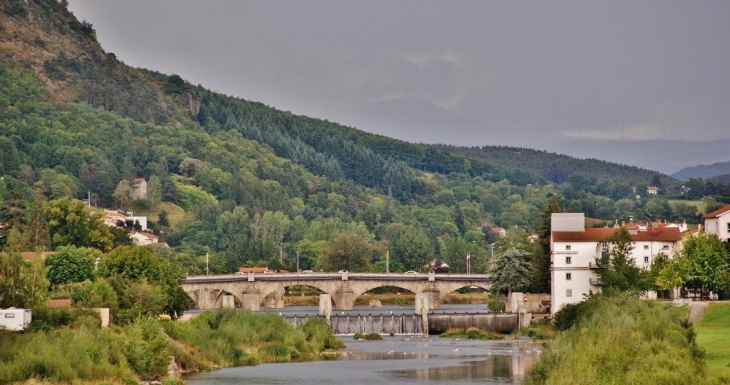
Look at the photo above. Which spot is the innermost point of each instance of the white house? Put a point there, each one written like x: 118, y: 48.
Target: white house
x: 112, y: 217
x: 142, y: 238
x: 574, y: 250
x: 718, y: 223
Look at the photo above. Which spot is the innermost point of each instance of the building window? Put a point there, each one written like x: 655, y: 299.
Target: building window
x: 646, y: 259
x: 568, y: 260
x: 567, y: 247
x: 728, y: 227
x: 646, y: 247
x: 569, y: 292
x: 568, y: 276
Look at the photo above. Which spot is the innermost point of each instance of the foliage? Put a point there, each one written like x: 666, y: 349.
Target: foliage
x: 72, y: 264
x: 145, y: 282
x: 146, y: 348
x: 348, y: 252
x: 410, y: 247
x: 616, y: 268
x: 511, y: 272
x: 709, y: 262
x: 368, y: 336
x: 71, y: 223
x: 472, y: 334
x: 620, y: 340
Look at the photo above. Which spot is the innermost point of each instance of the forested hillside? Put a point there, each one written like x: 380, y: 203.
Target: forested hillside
x: 558, y: 168
x: 261, y: 186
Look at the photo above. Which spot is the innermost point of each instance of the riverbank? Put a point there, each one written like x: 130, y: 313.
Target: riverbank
x: 621, y: 339
x: 713, y: 336
x: 84, y: 353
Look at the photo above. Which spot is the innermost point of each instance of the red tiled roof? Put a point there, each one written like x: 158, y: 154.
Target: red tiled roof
x: 29, y: 255
x: 147, y: 235
x: 252, y: 269
x: 717, y: 212
x: 602, y: 235
x: 57, y: 303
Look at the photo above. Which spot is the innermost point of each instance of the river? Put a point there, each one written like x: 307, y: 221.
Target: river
x: 395, y: 360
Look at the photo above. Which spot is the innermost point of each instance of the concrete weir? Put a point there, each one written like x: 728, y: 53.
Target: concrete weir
x: 496, y: 322
x: 414, y: 323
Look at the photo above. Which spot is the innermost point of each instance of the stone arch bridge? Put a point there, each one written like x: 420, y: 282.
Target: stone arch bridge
x: 214, y: 292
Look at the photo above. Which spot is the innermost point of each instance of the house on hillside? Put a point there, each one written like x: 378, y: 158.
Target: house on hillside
x: 575, y: 248
x: 113, y: 218
x: 652, y: 190
x: 499, y: 231
x: 142, y: 238
x: 718, y: 223
x: 139, y: 188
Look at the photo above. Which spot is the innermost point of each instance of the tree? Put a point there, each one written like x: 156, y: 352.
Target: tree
x: 35, y: 284
x: 164, y: 219
x: 72, y: 264
x: 132, y: 267
x: 458, y: 217
x: 154, y: 191
x: 11, y: 271
x: 511, y: 271
x: 13, y: 214
x: 616, y: 268
x: 36, y: 234
x: 71, y: 223
x: 347, y: 252
x: 709, y: 262
x: 122, y: 194
x: 411, y: 247
x: 541, y: 259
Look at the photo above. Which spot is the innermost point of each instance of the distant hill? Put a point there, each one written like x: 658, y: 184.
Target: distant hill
x: 703, y: 171
x: 559, y: 168
x: 419, y: 121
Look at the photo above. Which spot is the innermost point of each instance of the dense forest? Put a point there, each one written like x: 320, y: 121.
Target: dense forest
x: 259, y: 186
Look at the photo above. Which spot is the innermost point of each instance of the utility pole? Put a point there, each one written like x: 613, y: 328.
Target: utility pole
x: 387, y: 261
x: 491, y: 246
x: 207, y: 258
x: 297, y: 261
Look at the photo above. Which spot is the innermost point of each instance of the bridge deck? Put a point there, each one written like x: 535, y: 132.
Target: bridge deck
x: 336, y: 277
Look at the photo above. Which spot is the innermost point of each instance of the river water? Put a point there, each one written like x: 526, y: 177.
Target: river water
x: 395, y: 360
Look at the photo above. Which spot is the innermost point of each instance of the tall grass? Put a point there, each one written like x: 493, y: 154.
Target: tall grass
x: 623, y: 340
x: 233, y: 338
x: 81, y: 352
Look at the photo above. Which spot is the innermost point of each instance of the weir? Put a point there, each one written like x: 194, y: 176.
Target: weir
x: 413, y: 323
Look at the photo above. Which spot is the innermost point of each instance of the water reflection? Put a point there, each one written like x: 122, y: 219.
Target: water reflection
x: 400, y: 360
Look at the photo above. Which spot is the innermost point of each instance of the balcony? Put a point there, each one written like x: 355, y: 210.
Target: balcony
x: 595, y: 282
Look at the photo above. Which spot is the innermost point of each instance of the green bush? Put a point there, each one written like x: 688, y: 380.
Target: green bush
x: 368, y: 337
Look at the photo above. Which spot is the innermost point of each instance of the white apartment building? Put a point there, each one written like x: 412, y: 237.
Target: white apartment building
x: 574, y: 250
x: 718, y: 222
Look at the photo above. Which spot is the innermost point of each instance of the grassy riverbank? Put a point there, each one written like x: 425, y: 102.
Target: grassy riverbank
x: 624, y: 340
x: 84, y: 353
x: 713, y: 335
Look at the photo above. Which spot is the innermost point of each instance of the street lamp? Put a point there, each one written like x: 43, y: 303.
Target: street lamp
x: 297, y: 261
x: 491, y: 246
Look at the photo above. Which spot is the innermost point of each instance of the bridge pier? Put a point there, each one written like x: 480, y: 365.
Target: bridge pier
x: 325, y: 306
x: 344, y: 298
x: 251, y: 299
x: 274, y: 300
x: 432, y: 296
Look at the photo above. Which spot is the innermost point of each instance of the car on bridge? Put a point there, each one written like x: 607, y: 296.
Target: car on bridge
x: 411, y: 272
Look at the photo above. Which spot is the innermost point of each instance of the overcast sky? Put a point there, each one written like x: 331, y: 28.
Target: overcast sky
x: 518, y: 70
